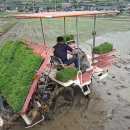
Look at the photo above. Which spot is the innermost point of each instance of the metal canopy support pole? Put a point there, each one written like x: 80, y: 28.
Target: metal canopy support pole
x: 94, y: 34
x: 55, y: 5
x: 94, y: 31
x: 42, y: 32
x: 77, y: 31
x: 65, y: 27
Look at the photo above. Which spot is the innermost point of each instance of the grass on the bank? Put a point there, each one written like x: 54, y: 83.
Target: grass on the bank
x: 17, y: 63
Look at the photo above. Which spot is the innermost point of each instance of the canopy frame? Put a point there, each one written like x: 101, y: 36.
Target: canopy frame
x: 63, y: 14
x: 94, y: 35
x: 43, y: 35
x: 65, y: 27
x: 77, y: 31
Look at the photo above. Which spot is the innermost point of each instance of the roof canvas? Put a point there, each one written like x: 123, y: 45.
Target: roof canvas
x: 63, y: 14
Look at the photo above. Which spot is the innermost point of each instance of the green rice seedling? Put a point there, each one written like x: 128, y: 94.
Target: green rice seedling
x: 68, y: 37
x: 17, y: 63
x: 103, y: 48
x: 66, y: 74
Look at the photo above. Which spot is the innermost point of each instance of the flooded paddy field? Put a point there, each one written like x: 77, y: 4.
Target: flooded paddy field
x: 6, y: 24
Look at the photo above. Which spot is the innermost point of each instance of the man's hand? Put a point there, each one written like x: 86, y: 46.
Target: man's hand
x: 75, y: 51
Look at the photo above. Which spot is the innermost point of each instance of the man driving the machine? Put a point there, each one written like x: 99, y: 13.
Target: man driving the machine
x: 61, y: 52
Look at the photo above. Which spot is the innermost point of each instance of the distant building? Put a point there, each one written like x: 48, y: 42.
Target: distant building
x: 104, y: 8
x: 2, y: 8
x: 127, y: 9
x: 66, y: 6
x: 90, y: 7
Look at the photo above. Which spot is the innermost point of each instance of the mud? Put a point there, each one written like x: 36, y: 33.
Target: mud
x: 75, y: 117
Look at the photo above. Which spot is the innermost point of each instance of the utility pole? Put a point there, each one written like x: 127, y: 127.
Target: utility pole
x: 55, y: 5
x: 77, y: 1
x: 126, y: 3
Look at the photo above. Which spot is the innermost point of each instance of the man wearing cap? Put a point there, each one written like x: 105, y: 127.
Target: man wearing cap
x: 61, y: 52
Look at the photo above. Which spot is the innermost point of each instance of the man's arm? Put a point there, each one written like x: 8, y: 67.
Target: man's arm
x: 68, y: 48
